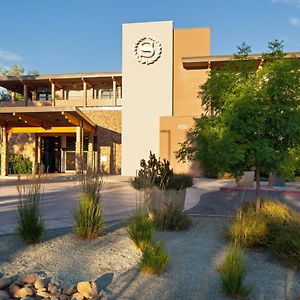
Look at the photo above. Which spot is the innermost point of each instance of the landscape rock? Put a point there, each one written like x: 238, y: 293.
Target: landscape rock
x: 69, y: 290
x: 63, y: 297
x: 44, y: 294
x: 31, y: 278
x: 23, y: 292
x: 40, y: 284
x: 77, y: 296
x: 5, y: 282
x: 13, y: 288
x: 87, y: 289
x: 4, y: 295
x: 52, y: 288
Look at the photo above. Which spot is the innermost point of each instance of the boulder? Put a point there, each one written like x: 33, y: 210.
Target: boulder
x: 77, y: 296
x: 5, y: 282
x: 69, y: 290
x: 31, y: 278
x: 13, y: 288
x: 23, y: 292
x: 4, y: 295
x: 63, y: 297
x: 87, y: 289
x: 40, y: 284
x: 52, y: 288
x: 43, y: 294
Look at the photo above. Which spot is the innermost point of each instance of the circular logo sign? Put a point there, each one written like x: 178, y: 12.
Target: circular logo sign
x: 147, y: 50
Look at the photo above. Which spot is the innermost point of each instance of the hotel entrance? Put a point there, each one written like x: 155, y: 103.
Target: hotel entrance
x: 51, y: 154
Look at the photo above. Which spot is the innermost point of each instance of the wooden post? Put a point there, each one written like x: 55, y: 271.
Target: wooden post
x: 25, y: 93
x: 90, y: 151
x: 34, y: 158
x: 34, y: 95
x: 62, y: 94
x: 53, y: 93
x: 114, y: 91
x: 84, y: 94
x: 98, y: 159
x: 78, y: 148
x: 4, y: 161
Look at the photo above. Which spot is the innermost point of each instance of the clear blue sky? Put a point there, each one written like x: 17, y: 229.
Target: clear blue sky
x: 57, y: 36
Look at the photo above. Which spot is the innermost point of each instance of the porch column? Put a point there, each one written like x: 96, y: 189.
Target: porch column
x: 53, y: 93
x: 98, y: 159
x: 90, y: 152
x: 25, y: 93
x: 79, y: 148
x: 114, y: 91
x: 36, y: 161
x: 84, y: 94
x: 4, y: 160
x: 62, y: 94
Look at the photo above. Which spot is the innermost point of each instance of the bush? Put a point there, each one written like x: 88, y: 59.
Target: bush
x: 248, y: 229
x: 232, y: 272
x: 171, y: 219
x: 19, y: 164
x: 154, y: 172
x: 179, y: 182
x: 140, y: 229
x: 154, y: 258
x: 30, y: 224
x: 275, y: 227
x: 88, y: 215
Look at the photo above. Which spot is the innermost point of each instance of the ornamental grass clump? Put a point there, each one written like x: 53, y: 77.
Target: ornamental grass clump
x: 30, y: 224
x: 248, y: 229
x: 140, y: 229
x: 88, y: 216
x: 232, y: 273
x: 275, y: 227
x: 172, y: 218
x: 154, y: 258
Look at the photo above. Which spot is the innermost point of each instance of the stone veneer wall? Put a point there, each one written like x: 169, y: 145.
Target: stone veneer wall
x: 109, y: 134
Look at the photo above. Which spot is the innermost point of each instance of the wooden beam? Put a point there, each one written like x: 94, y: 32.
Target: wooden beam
x: 4, y: 150
x: 32, y: 121
x: 75, y: 121
x: 41, y: 130
x: 71, y: 119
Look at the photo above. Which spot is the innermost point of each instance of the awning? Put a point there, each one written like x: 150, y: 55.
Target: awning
x: 43, y: 119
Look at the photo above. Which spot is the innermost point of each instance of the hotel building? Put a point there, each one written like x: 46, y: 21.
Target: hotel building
x: 111, y: 120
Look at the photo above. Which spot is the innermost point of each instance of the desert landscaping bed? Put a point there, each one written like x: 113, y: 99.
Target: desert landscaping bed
x: 112, y: 261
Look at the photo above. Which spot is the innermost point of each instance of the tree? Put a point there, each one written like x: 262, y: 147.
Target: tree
x: 257, y: 120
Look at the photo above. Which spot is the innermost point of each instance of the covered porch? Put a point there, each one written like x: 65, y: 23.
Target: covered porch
x: 47, y: 124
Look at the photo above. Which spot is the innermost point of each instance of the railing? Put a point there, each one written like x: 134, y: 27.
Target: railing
x: 102, y: 102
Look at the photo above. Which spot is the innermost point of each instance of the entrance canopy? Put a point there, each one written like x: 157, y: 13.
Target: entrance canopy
x: 44, y: 119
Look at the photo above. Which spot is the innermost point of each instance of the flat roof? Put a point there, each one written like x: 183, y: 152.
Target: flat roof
x: 202, y: 62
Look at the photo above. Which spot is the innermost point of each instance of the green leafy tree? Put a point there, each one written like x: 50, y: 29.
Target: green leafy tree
x: 257, y: 120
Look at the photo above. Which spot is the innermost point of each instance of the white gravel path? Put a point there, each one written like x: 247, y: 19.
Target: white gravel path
x: 113, y: 259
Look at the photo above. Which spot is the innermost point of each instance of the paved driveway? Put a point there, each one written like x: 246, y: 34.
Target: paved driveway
x: 59, y: 200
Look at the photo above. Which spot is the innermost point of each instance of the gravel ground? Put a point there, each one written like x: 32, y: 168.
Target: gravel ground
x: 112, y: 260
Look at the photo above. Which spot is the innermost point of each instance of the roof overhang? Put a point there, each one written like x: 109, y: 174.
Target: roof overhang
x: 217, y: 61
x: 45, y: 119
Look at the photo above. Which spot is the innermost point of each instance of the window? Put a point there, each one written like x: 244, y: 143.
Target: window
x: 44, y: 96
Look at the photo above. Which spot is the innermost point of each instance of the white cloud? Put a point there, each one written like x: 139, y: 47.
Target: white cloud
x: 295, y: 21
x: 10, y: 56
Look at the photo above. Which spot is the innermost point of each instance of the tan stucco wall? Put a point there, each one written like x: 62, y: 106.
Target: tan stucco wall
x: 174, y: 130
x: 189, y: 43
x: 147, y: 93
